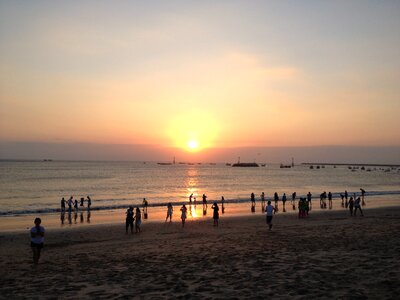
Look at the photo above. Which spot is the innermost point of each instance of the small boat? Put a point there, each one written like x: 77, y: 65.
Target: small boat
x: 228, y: 164
x: 164, y: 164
x: 245, y: 165
x: 263, y: 165
x: 311, y: 167
x: 282, y: 166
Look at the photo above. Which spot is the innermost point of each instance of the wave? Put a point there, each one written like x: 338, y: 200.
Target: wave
x: 335, y: 195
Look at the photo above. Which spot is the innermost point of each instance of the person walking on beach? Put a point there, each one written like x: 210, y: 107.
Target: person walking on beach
x: 216, y: 213
x: 223, y: 204
x: 262, y: 202
x: 183, y: 215
x: 76, y: 205
x: 330, y: 200
x: 89, y: 202
x: 350, y: 204
x: 346, y: 195
x: 357, y: 206
x: 37, y: 240
x: 170, y: 209
x: 82, y: 200
x: 270, y: 211
x: 129, y: 219
x: 362, y: 196
x: 63, y: 204
x: 138, y: 219
x: 284, y: 202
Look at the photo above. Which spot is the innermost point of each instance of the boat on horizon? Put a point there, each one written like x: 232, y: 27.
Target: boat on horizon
x: 253, y: 164
x: 282, y: 166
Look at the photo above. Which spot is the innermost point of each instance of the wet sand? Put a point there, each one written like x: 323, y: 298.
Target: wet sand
x: 328, y: 255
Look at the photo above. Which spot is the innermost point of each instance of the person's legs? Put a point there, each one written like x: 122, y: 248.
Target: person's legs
x: 36, y: 254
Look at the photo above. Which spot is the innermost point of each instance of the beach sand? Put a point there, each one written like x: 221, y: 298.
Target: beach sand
x: 327, y: 255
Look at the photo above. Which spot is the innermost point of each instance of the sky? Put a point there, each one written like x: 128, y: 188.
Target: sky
x: 194, y: 77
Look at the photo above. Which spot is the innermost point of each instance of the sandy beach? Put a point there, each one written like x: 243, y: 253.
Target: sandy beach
x: 328, y: 255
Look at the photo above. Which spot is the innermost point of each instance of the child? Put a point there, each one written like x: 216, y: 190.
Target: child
x: 183, y: 216
x: 37, y: 240
x: 270, y: 210
x: 216, y: 213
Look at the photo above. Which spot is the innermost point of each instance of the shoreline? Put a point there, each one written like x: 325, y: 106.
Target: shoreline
x: 94, y: 217
x: 329, y: 254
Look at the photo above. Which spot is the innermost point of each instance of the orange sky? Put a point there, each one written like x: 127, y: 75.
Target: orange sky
x: 216, y: 75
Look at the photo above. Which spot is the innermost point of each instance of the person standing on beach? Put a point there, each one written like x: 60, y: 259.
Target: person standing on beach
x: 262, y: 202
x: 284, y: 202
x: 183, y: 215
x: 76, y: 205
x: 63, y: 205
x: 346, y: 195
x: 170, y: 209
x: 82, y: 200
x: 138, y: 220
x: 129, y: 219
x: 223, y: 204
x: 330, y: 200
x: 37, y: 240
x: 216, y: 213
x: 362, y: 196
x: 309, y: 196
x: 89, y: 202
x: 357, y: 206
x: 294, y: 201
x: 276, y: 199
x: 342, y: 196
x: 70, y: 203
x: 190, y: 198
x: 145, y: 205
x: 350, y: 204
x: 270, y: 211
x: 204, y: 204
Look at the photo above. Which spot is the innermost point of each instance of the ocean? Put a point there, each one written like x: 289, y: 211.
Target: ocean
x: 36, y: 187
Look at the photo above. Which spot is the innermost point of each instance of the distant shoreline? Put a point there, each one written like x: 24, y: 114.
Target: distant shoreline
x: 348, y: 164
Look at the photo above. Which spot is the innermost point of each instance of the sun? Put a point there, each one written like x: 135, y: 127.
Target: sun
x: 193, y: 145
x: 190, y: 134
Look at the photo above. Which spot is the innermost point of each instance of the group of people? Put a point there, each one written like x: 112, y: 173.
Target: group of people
x: 133, y: 217
x: 75, y: 203
x: 304, y: 204
x: 192, y: 199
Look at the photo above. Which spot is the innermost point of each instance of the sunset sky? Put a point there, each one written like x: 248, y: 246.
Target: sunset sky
x: 199, y: 75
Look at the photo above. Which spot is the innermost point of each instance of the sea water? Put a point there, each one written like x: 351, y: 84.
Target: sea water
x: 36, y: 187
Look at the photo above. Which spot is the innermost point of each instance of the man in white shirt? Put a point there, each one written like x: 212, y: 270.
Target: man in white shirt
x: 270, y: 211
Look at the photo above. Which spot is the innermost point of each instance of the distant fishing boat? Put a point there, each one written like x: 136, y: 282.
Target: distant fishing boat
x: 245, y: 165
x: 228, y: 164
x: 164, y: 164
x: 282, y: 166
x: 263, y: 165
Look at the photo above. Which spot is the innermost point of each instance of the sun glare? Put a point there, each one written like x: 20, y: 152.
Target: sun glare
x: 193, y: 145
x: 189, y: 133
